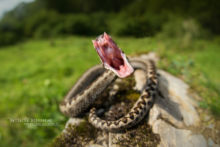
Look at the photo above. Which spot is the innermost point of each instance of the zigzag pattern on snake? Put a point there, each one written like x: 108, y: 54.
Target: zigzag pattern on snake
x: 95, y: 81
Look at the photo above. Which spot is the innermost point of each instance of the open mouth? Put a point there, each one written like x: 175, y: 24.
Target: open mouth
x: 111, y: 56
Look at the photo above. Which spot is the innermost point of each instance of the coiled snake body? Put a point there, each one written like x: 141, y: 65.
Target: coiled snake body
x: 81, y: 97
x: 95, y: 81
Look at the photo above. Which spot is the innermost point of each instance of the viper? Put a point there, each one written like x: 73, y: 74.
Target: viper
x: 95, y: 80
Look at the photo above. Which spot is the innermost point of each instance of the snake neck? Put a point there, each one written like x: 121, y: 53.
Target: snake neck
x: 80, y: 102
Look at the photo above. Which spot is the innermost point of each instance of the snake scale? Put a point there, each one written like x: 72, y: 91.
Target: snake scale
x: 95, y: 80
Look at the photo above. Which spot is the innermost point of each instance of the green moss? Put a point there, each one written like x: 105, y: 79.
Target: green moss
x: 126, y: 91
x: 76, y: 136
x: 140, y: 135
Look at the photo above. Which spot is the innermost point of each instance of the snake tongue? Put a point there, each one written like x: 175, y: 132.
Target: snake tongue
x: 111, y: 56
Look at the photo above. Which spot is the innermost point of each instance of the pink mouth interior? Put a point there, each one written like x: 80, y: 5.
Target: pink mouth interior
x: 111, y: 56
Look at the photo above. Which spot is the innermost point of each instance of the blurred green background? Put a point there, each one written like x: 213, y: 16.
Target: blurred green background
x: 138, y: 18
x: 45, y: 45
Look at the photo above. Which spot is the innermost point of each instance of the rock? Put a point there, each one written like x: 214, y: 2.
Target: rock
x: 211, y: 143
x: 73, y: 122
x: 94, y: 145
x: 150, y: 56
x: 139, y: 76
x: 172, y: 137
x: 207, y: 118
x: 210, y: 126
x: 175, y: 104
x: 174, y: 112
x: 170, y: 122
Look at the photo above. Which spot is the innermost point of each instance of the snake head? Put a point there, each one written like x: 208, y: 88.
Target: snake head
x: 112, y: 56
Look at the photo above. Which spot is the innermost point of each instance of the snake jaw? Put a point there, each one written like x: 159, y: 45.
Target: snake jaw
x: 111, y: 56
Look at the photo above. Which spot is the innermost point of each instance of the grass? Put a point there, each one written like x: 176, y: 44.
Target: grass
x: 35, y: 75
x: 197, y: 64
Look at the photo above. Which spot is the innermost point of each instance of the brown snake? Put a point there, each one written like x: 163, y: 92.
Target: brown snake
x: 95, y: 81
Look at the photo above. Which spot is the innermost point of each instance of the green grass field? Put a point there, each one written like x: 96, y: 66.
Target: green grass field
x: 35, y: 75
